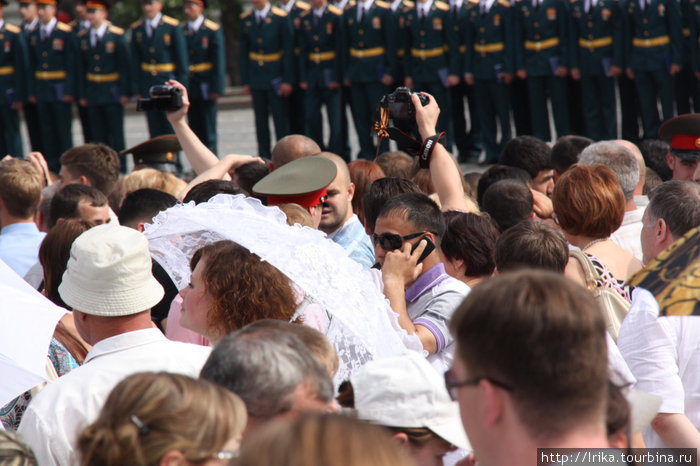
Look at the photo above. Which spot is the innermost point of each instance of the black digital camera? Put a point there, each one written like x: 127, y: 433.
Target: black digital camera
x: 164, y: 98
x: 401, y: 109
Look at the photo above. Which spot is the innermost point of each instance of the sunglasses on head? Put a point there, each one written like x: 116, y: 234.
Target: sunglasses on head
x: 391, y: 241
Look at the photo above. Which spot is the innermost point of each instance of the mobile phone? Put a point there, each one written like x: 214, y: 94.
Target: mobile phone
x: 429, y: 247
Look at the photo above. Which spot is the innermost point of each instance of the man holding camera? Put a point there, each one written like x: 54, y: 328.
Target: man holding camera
x: 103, y: 75
x: 158, y: 53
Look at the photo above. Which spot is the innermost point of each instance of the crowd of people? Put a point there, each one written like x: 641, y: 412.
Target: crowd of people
x: 307, y: 311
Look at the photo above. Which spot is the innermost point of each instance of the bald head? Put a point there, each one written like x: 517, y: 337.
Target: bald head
x: 343, y: 175
x: 338, y: 206
x: 292, y: 147
x: 640, y: 161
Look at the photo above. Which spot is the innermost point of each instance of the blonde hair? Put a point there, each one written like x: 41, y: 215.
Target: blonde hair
x: 154, y: 179
x: 20, y: 187
x: 297, y: 214
x: 149, y: 414
x: 13, y: 452
x: 322, y: 440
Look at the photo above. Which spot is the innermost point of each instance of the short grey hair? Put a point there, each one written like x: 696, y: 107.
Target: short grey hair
x: 619, y: 159
x: 678, y: 204
x: 264, y: 366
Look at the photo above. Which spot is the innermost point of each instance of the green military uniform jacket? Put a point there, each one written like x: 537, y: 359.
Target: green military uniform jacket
x: 298, y: 9
x: 370, y: 44
x: 207, y: 65
x: 489, y: 40
x: 598, y: 37
x: 542, y: 36
x: 321, y: 48
x: 401, y: 34
x: 432, y: 48
x: 695, y: 34
x: 653, y: 36
x: 13, y: 65
x: 103, y: 70
x: 52, y: 64
x: 266, y: 50
x: 158, y: 58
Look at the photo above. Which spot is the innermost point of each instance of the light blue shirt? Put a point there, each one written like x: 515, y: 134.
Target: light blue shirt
x: 353, y: 238
x: 19, y: 246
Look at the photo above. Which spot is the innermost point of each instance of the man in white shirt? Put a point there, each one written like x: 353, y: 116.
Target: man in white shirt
x: 109, y: 285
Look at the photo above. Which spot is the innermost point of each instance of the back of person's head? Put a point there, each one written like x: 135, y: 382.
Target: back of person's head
x: 96, y: 162
x: 424, y: 181
x: 205, y: 190
x: 265, y: 367
x: 619, y: 159
x: 322, y: 440
x: 247, y: 175
x: 66, y: 202
x: 154, y: 179
x: 144, y: 204
x: 363, y: 173
x: 654, y: 152
x: 566, y: 150
x: 471, y: 238
x: 380, y: 192
x: 20, y: 188
x: 471, y: 184
x: 396, y: 164
x: 531, y: 245
x: 54, y: 253
x: 678, y: 204
x: 617, y: 416
x: 315, y: 341
x: 527, y: 152
x: 496, y: 173
x: 149, y: 415
x: 651, y: 181
x: 297, y: 214
x: 14, y: 452
x: 292, y: 147
x: 418, y: 210
x: 588, y: 201
x: 541, y: 337
x: 43, y: 214
x: 508, y: 202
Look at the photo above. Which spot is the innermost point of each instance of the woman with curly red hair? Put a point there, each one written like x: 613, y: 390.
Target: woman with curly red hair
x: 231, y: 287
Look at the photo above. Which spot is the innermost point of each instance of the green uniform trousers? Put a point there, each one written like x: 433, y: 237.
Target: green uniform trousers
x: 649, y: 85
x: 314, y: 122
x: 492, y: 102
x: 539, y: 87
x: 599, y: 107
x: 202, y: 119
x: 265, y: 102
x: 56, y: 134
x: 10, y: 139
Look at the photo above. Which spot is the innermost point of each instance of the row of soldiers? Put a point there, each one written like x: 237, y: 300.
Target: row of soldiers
x: 46, y: 66
x: 498, y: 55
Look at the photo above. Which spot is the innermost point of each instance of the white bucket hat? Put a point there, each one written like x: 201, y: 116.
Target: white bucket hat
x: 109, y: 273
x: 406, y: 391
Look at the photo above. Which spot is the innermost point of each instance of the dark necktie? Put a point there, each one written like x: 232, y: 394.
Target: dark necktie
x: 454, y: 11
x: 362, y: 13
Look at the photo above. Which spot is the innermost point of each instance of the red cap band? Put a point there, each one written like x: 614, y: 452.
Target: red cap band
x: 46, y: 2
x: 304, y: 200
x: 684, y: 142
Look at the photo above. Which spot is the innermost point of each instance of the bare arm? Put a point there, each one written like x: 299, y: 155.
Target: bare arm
x: 443, y: 169
x: 676, y: 430
x: 221, y: 171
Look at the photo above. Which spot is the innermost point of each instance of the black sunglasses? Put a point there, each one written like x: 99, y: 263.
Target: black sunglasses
x: 391, y: 241
x: 452, y: 384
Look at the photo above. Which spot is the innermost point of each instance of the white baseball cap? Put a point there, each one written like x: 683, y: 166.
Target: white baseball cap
x: 109, y: 273
x: 406, y: 391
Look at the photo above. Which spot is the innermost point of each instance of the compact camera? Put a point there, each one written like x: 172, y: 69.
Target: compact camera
x: 164, y: 98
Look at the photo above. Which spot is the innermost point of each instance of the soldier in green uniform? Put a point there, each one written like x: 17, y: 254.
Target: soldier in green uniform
x: 79, y: 24
x: 685, y: 84
x: 103, y: 76
x: 596, y: 60
x: 542, y: 35
x: 370, y: 59
x: 52, y: 81
x: 297, y: 99
x: 13, y: 81
x: 432, y: 54
x: 489, y: 64
x: 30, y: 21
x: 654, y: 55
x: 321, y: 49
x: 158, y: 54
x: 267, y: 68
x: 205, y: 43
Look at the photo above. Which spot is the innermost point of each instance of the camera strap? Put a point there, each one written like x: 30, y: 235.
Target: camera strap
x: 383, y: 130
x: 426, y: 150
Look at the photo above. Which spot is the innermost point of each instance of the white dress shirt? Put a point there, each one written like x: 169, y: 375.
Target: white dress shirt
x: 663, y: 353
x: 196, y: 24
x: 260, y: 15
x: 67, y: 405
x: 628, y: 236
x: 363, y: 8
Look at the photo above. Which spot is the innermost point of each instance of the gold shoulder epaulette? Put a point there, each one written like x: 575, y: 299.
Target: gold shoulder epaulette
x: 382, y: 4
x: 442, y: 6
x: 304, y: 14
x: 504, y: 3
x: 409, y: 3
x: 170, y: 20
x: 303, y: 5
x: 335, y: 10
x: 475, y: 2
x: 63, y: 27
x: 350, y: 4
x: 245, y: 14
x: 136, y: 24
x: 73, y: 23
x: 83, y: 32
x: 12, y: 28
x: 211, y: 25
x: 279, y: 11
x: 116, y: 30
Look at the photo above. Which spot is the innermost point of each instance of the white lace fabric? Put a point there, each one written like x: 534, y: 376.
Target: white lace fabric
x: 362, y: 326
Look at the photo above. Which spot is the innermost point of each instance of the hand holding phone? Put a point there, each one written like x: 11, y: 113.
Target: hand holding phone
x: 429, y: 247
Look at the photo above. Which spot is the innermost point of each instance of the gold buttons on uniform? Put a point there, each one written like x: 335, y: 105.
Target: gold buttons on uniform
x: 45, y: 66
x: 481, y: 29
x: 590, y: 24
x: 316, y: 38
x: 646, y: 33
x: 590, y: 36
x: 422, y: 33
x: 361, y: 31
x: 537, y: 37
x: 316, y: 49
x: 44, y: 54
x: 153, y: 61
x: 361, y: 44
x: 97, y: 69
x: 259, y: 40
x: 536, y: 24
x: 96, y: 57
x: 645, y: 21
x: 422, y: 46
x: 152, y: 50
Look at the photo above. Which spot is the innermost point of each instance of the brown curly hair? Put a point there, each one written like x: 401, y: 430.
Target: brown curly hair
x: 244, y: 288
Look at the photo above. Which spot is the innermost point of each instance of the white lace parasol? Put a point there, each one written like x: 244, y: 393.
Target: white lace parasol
x: 362, y: 325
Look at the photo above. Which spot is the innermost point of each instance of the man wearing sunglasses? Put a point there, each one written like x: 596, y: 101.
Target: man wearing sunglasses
x: 415, y: 282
